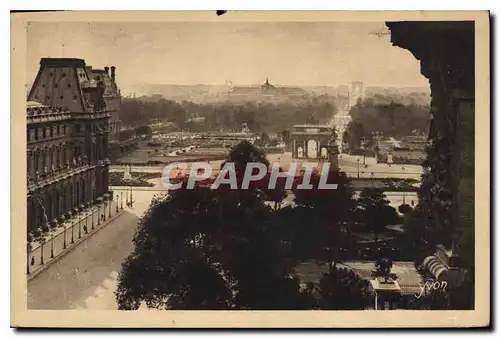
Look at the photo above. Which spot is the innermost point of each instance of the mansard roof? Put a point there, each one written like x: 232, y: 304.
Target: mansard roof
x: 66, y: 82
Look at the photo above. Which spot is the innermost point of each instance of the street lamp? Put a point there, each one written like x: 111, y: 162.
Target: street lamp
x: 99, y: 214
x: 131, y: 199
x: 42, y: 242
x: 116, y: 203
x: 52, y: 243
x: 86, y: 226
x: 363, y: 147
x: 28, y: 250
x: 93, y: 216
x: 79, y: 227
x: 373, y: 183
x: 121, y: 199
x: 110, y: 203
x: 358, y: 166
x: 73, y: 231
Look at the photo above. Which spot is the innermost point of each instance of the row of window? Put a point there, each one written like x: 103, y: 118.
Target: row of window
x: 56, y: 85
x: 45, y: 159
x: 60, y: 97
x: 51, y: 74
x: 64, y: 74
x: 61, y: 154
x: 35, y: 134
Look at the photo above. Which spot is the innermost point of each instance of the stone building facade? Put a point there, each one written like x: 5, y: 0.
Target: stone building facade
x: 446, y: 51
x: 67, y: 142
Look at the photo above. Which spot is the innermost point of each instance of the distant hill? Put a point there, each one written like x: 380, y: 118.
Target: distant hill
x: 201, y: 93
x: 194, y: 93
x: 372, y: 90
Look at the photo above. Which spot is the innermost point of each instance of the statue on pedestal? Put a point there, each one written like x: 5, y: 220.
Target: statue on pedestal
x: 383, y: 268
x: 127, y: 175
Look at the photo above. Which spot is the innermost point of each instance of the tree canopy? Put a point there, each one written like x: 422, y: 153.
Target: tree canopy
x: 329, y: 213
x: 203, y: 249
x: 259, y: 116
x: 374, y: 211
x: 342, y: 289
x: 389, y: 115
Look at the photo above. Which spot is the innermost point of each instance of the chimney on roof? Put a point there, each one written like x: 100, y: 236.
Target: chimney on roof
x: 106, y: 69
x: 113, y: 68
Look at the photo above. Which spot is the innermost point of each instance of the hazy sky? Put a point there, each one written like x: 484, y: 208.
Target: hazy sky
x: 288, y: 53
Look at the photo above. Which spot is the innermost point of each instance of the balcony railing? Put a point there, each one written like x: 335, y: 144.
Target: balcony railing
x: 57, y: 172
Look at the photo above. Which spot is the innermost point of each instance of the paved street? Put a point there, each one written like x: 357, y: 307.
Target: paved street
x: 85, y: 278
x: 349, y: 164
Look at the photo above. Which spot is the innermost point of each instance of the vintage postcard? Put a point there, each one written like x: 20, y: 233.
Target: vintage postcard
x: 241, y: 169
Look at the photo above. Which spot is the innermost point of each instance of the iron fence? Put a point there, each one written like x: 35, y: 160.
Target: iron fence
x: 70, y: 233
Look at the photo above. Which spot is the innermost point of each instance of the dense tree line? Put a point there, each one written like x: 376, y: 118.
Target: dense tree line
x: 259, y: 116
x: 391, y: 116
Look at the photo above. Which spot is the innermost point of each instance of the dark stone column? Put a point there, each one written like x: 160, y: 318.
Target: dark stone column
x: 29, y: 205
x: 97, y: 175
x: 105, y: 179
x: 56, y: 202
x: 30, y: 165
x: 60, y: 148
x: 64, y: 198
x: 69, y: 154
x: 76, y: 202
x: 93, y: 185
x: 446, y: 52
x: 71, y: 195
x: 105, y: 141
x: 36, y: 156
x: 34, y: 205
x: 100, y: 147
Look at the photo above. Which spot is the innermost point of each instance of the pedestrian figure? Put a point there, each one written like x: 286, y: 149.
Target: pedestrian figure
x: 32, y: 260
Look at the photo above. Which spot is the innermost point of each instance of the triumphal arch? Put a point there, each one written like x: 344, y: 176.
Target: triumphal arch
x: 311, y: 141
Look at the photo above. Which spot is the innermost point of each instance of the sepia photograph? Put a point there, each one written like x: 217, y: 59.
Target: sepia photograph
x: 170, y: 163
